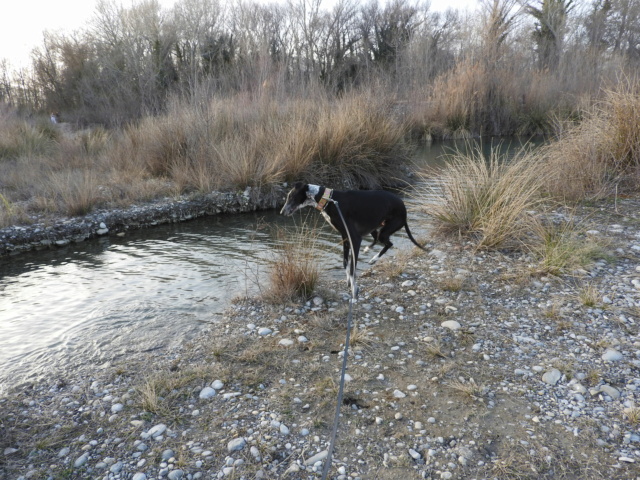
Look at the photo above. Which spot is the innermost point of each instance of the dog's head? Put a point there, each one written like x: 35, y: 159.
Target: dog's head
x: 301, y: 195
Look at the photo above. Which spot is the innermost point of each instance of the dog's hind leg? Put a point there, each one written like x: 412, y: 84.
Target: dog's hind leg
x: 374, y: 234
x: 391, y: 227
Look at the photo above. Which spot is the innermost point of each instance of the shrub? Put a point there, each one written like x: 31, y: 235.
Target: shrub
x: 485, y: 199
x: 294, y: 272
x: 602, y: 153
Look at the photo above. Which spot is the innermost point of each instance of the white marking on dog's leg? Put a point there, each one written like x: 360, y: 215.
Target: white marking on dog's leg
x: 374, y: 259
x: 366, y: 249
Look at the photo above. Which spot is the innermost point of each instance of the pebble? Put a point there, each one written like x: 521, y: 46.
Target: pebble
x: 81, y: 460
x: 611, y: 355
x: 157, y: 430
x: 207, y: 392
x: 318, y: 457
x: 217, y: 385
x: 451, y: 325
x: 552, y: 376
x: 175, y: 474
x: 236, y: 444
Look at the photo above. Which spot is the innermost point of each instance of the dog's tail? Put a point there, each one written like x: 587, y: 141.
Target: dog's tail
x: 406, y: 227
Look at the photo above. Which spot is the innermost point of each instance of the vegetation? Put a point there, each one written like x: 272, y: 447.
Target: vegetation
x: 222, y: 96
x: 294, y: 272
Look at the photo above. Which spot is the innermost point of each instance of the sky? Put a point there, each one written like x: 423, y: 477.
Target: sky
x: 22, y: 24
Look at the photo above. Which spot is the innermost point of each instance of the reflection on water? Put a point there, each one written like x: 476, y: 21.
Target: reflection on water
x: 103, y: 299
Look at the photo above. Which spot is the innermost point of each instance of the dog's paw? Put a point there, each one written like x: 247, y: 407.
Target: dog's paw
x: 366, y: 249
x: 373, y: 260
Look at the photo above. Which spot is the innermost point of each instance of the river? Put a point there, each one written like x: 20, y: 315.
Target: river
x: 104, y: 299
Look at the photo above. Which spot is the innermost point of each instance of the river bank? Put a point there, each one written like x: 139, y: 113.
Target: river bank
x: 463, y: 364
x: 54, y: 231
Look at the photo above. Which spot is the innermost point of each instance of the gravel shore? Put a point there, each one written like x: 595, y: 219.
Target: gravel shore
x: 462, y: 365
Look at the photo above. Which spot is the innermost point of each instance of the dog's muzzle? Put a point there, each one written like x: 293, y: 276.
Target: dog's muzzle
x: 287, y: 210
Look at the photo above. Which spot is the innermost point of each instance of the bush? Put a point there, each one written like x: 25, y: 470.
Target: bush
x: 485, y: 199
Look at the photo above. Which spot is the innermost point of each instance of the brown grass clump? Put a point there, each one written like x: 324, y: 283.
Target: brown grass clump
x: 486, y: 199
x: 294, y: 272
x: 602, y: 153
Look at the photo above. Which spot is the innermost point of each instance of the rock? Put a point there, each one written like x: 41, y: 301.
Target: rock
x: 451, y: 325
x: 139, y: 476
x: 10, y: 450
x: 80, y: 461
x: 264, y: 331
x: 415, y: 455
x: 255, y: 453
x: 167, y: 454
x: 552, y: 376
x: 398, y: 394
x: 285, y: 342
x: 318, y: 457
x: 207, y: 392
x: 157, y: 430
x: 611, y: 391
x: 611, y: 355
x: 217, y: 384
x: 236, y: 444
x: 116, y: 467
x: 175, y: 474
x: 116, y: 407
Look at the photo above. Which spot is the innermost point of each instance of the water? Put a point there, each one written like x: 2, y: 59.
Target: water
x: 153, y: 289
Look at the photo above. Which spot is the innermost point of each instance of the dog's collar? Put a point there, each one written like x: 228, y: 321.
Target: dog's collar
x: 326, y: 196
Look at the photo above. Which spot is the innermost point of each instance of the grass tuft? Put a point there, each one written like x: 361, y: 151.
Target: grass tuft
x: 294, y: 272
x: 487, y: 200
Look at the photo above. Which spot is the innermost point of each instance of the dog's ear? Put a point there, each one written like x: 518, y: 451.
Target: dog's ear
x: 301, y: 186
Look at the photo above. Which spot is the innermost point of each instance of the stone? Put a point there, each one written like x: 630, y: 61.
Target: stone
x: 552, y: 376
x: 175, y: 474
x: 611, y: 355
x: 236, y: 444
x: 207, y: 392
x: 451, y: 325
x: 318, y: 457
x: 157, y: 430
x: 80, y: 461
x: 398, y: 394
x: 611, y: 391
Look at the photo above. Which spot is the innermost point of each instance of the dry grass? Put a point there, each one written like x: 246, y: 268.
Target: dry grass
x: 294, y: 272
x: 589, y: 295
x: 486, y: 199
x: 602, y: 153
x: 562, y: 248
x: 224, y: 144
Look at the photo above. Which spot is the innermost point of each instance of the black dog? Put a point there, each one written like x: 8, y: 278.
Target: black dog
x: 378, y: 213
